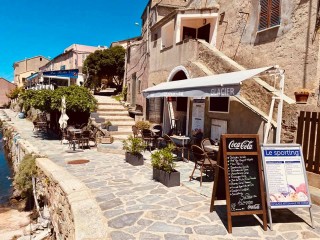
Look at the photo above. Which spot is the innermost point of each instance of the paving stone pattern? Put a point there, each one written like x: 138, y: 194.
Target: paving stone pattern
x: 136, y: 207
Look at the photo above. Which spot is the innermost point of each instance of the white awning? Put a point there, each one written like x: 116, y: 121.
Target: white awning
x: 221, y: 85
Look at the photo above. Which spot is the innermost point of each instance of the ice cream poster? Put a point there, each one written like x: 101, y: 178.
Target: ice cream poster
x: 285, y: 177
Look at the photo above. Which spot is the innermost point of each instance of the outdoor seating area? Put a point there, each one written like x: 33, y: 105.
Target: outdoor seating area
x: 200, y: 152
x: 40, y: 124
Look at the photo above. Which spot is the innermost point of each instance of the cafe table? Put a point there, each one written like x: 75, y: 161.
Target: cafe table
x: 182, y: 139
x: 211, y: 148
x: 75, y: 132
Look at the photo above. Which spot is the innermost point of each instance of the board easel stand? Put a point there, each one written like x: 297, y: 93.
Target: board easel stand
x: 222, y: 163
x: 305, y: 179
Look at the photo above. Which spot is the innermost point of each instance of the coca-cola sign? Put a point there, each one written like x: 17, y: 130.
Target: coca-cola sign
x: 241, y: 145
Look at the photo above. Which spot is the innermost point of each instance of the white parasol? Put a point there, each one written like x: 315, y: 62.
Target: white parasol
x: 63, y: 120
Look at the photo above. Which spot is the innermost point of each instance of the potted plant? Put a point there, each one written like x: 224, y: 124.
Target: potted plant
x: 134, y: 147
x: 163, y: 167
x: 302, y: 95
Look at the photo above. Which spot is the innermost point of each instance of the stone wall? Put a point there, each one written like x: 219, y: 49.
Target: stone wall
x: 73, y: 210
x: 294, y: 45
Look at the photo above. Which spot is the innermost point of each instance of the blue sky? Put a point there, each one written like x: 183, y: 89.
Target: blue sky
x: 30, y: 28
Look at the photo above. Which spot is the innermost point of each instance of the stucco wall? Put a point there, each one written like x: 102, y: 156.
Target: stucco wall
x: 178, y: 54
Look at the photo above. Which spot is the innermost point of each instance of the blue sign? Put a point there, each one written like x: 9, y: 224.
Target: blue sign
x: 72, y: 73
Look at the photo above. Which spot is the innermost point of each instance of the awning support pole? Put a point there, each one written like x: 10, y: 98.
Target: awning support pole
x: 280, y: 107
x: 266, y: 133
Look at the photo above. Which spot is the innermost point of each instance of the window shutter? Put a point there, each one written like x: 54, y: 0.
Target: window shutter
x: 275, y: 13
x: 269, y: 14
x: 264, y: 6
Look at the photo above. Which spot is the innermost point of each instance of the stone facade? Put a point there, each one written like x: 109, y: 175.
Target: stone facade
x: 27, y: 67
x: 5, y: 87
x: 236, y: 45
x: 72, y: 57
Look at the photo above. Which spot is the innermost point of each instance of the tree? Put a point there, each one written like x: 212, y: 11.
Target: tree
x: 107, y: 63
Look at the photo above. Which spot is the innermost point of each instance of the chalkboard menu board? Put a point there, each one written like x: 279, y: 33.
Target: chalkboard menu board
x: 244, y: 183
x: 239, y: 154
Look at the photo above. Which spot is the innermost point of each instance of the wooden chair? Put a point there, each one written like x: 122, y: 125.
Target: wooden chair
x: 208, y: 142
x: 202, y: 162
x: 84, y: 139
x: 136, y: 131
x: 148, y: 137
x: 157, y: 132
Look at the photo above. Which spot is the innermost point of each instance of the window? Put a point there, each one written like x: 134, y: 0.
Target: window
x: 269, y: 14
x: 219, y: 104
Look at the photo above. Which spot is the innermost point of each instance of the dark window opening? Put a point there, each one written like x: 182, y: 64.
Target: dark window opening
x: 189, y: 33
x: 219, y: 104
x: 182, y: 104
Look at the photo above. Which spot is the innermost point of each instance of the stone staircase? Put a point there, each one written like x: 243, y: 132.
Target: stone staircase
x: 111, y: 110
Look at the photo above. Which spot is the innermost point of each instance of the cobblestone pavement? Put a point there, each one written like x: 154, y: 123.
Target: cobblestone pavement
x: 136, y: 207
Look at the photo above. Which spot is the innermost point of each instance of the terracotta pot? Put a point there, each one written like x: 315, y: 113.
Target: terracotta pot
x: 301, y: 97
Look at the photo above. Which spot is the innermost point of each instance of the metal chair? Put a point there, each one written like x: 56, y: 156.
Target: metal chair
x: 177, y: 149
x: 202, y: 162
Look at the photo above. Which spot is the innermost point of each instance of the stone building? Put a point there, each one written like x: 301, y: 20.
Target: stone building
x: 190, y: 39
x: 27, y: 67
x: 5, y: 87
x: 66, y: 68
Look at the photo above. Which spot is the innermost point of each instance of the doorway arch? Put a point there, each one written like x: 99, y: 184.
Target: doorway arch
x: 176, y: 112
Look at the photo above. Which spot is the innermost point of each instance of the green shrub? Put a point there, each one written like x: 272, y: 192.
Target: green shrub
x: 134, y: 145
x: 14, y: 93
x: 78, y: 99
x: 163, y: 159
x: 27, y: 169
x: 142, y: 125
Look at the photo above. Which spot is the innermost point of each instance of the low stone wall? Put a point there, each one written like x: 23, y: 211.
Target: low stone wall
x: 73, y: 210
x: 75, y: 214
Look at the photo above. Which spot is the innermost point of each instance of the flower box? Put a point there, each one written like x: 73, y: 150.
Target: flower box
x: 169, y: 179
x: 302, y: 96
x: 134, y: 159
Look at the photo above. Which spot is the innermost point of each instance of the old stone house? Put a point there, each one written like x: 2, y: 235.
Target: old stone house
x: 5, y: 88
x: 190, y: 39
x: 27, y: 67
x: 67, y: 68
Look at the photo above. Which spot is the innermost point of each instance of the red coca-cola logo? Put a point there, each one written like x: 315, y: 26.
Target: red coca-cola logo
x: 244, y: 145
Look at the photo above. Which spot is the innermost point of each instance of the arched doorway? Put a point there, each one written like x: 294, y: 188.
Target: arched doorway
x: 177, y: 108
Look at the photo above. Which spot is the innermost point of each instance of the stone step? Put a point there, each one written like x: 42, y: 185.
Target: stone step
x: 116, y: 118
x: 115, y: 133
x: 109, y: 104
x: 113, y: 113
x: 111, y: 108
x: 120, y: 137
x: 128, y: 123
